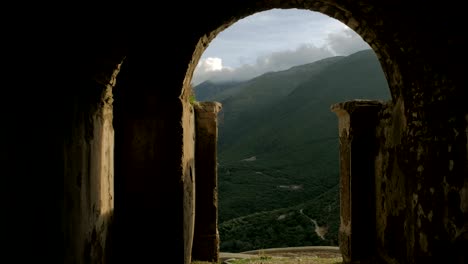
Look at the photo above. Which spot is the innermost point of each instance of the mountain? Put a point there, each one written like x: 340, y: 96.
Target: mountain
x: 278, y: 140
x: 207, y: 90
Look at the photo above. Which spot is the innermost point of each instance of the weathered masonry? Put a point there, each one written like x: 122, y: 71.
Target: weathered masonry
x: 98, y: 144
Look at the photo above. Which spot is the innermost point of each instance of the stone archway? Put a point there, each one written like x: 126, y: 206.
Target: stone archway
x: 359, y: 252
x: 399, y: 47
x: 206, y: 245
x: 421, y: 159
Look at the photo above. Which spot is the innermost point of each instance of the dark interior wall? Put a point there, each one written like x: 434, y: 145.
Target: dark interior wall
x: 35, y: 124
x: 421, y: 194
x: 32, y: 173
x: 148, y: 203
x: 54, y: 143
x: 420, y: 188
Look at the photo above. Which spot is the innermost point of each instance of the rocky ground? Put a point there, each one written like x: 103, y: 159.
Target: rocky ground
x: 292, y: 253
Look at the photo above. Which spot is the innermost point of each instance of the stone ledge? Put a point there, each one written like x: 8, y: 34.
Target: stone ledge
x: 350, y: 106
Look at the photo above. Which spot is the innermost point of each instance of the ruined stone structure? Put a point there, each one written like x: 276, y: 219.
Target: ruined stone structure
x: 97, y: 146
x: 206, y: 236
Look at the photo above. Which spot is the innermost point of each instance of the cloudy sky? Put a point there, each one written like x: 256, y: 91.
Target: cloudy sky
x: 274, y: 40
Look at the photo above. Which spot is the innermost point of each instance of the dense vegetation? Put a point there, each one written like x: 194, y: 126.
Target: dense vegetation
x: 278, y: 150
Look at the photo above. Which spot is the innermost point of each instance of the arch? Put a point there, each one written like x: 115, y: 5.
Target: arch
x: 410, y: 67
x: 362, y: 21
x: 203, y: 43
x: 419, y: 71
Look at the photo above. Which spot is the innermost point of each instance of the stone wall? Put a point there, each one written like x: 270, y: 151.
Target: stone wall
x: 153, y: 167
x: 189, y: 176
x: 421, y: 186
x: 89, y: 161
x: 206, y: 238
x: 357, y: 121
x: 390, y: 213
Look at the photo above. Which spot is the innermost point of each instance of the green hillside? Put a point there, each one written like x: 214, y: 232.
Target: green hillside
x: 285, y: 227
x: 278, y: 143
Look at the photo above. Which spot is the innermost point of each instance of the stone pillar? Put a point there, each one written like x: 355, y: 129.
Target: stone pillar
x: 88, y: 156
x: 206, y: 237
x: 357, y: 122
x: 188, y: 163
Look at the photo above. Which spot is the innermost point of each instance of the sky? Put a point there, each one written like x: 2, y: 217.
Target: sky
x: 274, y: 40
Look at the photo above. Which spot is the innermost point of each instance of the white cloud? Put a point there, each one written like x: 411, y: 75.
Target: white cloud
x: 272, y: 41
x: 345, y: 42
x: 282, y: 60
x: 210, y: 64
x: 212, y: 69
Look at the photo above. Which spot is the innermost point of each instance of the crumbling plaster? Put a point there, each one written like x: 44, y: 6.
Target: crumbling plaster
x: 89, y: 161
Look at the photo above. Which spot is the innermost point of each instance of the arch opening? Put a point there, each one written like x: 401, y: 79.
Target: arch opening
x: 243, y: 164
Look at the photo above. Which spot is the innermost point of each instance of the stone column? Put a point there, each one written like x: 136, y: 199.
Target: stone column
x: 88, y: 168
x: 357, y: 122
x: 206, y: 237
